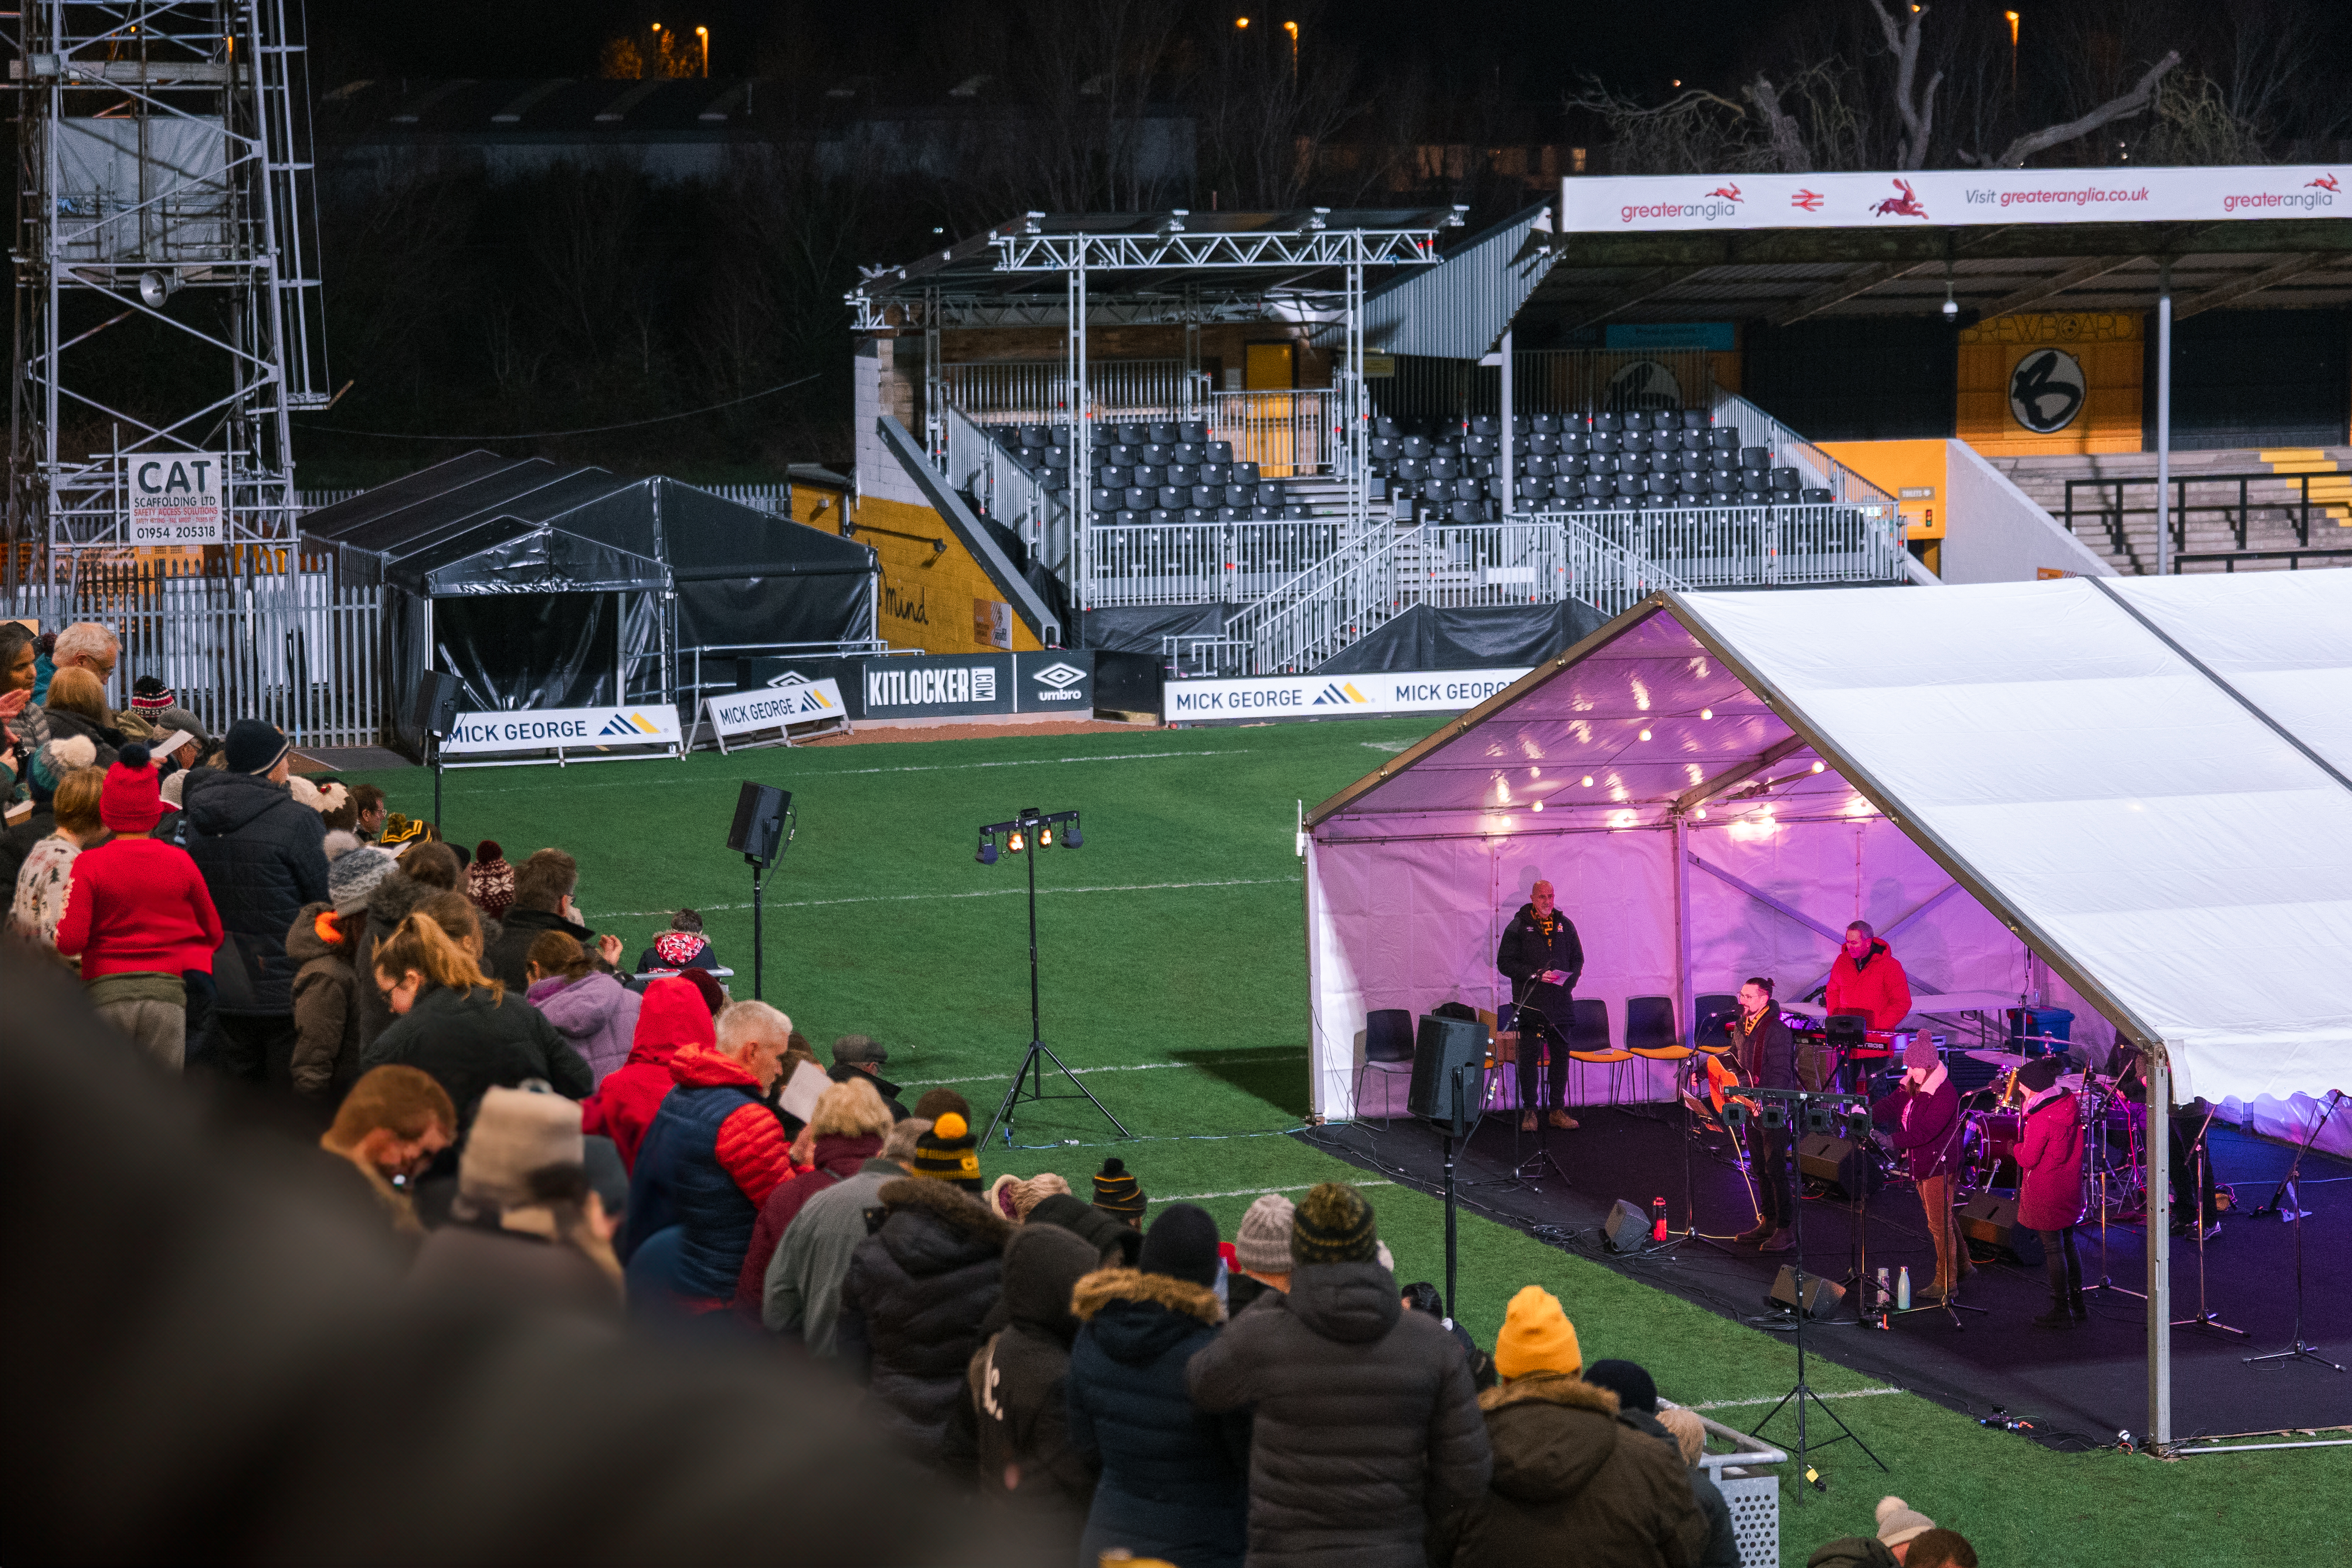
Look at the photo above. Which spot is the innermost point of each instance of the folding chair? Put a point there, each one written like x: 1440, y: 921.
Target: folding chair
x: 1709, y: 1013
x: 1388, y: 1049
x: 1588, y: 1043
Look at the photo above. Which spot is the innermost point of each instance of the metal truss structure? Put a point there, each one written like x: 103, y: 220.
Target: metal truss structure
x: 164, y: 181
x: 1159, y: 250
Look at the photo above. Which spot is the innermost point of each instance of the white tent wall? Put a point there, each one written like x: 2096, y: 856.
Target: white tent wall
x: 1412, y: 922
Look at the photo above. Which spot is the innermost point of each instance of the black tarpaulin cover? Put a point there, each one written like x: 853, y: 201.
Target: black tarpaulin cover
x: 1488, y: 637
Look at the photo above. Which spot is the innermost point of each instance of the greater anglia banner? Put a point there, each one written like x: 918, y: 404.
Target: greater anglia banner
x: 1650, y: 204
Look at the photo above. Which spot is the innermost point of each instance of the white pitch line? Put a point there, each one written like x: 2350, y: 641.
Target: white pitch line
x: 1271, y: 1053
x: 976, y: 893
x: 911, y: 768
x: 1257, y: 1192
x: 1770, y: 1399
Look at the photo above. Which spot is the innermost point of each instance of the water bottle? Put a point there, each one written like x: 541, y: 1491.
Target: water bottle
x: 1658, y: 1219
x: 1903, y: 1289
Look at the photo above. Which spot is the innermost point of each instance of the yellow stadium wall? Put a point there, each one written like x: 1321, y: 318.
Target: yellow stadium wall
x: 2109, y: 347
x: 941, y: 603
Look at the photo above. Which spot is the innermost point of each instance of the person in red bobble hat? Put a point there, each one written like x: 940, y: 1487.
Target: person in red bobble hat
x: 139, y: 915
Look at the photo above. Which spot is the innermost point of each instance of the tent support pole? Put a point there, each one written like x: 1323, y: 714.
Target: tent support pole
x: 2159, y: 1256
x: 2164, y: 419
x: 1684, y: 990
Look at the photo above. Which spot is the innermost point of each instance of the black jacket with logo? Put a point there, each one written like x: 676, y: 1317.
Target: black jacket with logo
x: 1533, y: 943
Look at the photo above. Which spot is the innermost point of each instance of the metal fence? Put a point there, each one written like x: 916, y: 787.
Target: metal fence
x: 1288, y: 435
x: 293, y: 647
x: 1816, y: 470
x: 1766, y: 546
x: 1038, y: 390
x: 978, y: 464
x: 1201, y: 563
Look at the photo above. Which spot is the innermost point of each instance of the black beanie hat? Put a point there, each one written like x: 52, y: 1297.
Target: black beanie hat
x: 1635, y: 1388
x: 254, y: 746
x: 1182, y: 1245
x: 1333, y: 1224
x: 1116, y: 1192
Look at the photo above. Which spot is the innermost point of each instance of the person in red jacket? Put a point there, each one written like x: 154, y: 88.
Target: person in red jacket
x: 673, y: 1016
x: 1865, y: 978
x: 139, y: 915
x: 2051, y: 1199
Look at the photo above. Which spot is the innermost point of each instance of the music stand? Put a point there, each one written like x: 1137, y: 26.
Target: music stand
x: 1523, y: 1173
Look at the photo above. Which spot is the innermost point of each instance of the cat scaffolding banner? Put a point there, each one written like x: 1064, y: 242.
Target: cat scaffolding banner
x: 562, y: 735
x: 1944, y: 198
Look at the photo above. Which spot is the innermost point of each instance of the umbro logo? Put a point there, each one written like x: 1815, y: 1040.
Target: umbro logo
x: 1059, y: 676
x: 790, y: 678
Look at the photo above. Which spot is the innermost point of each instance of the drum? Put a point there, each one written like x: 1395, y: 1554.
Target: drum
x: 2003, y: 1131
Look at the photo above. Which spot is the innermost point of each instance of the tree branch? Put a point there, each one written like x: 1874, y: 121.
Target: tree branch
x: 2132, y: 102
x: 1919, y: 115
x: 1788, y: 142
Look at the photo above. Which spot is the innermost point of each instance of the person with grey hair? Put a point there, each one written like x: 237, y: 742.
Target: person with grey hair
x: 85, y: 645
x: 716, y: 1149
x: 802, y: 1294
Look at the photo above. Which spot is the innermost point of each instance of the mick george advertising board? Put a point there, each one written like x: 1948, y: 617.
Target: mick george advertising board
x: 1256, y: 698
x: 562, y: 735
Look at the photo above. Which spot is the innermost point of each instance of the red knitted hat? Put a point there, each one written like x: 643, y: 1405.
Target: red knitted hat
x: 131, y: 799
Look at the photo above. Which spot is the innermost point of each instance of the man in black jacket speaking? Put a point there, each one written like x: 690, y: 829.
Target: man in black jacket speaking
x: 1541, y: 955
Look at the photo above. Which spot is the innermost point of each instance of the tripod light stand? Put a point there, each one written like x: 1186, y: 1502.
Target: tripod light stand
x: 1032, y: 830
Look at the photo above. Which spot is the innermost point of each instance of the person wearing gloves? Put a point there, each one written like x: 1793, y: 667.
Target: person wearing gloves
x: 1365, y: 1424
x: 1923, y: 1116
x: 139, y: 917
x: 526, y: 1228
x: 1574, y: 1480
x: 2051, y: 1198
x: 1175, y: 1479
x: 1543, y: 959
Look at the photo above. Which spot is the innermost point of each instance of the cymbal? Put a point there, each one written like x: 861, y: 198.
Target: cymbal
x: 1998, y: 1059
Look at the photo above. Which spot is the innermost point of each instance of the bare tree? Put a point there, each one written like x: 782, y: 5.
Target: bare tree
x: 1694, y: 133
x: 1266, y: 105
x: 1915, y: 104
x: 1780, y: 130
x: 2014, y: 155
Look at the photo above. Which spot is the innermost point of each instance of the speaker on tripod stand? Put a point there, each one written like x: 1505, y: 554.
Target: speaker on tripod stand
x: 434, y: 715
x: 1446, y: 1052
x: 758, y: 834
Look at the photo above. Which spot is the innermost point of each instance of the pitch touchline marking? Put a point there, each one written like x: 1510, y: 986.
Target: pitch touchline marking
x: 913, y: 768
x: 1255, y: 1192
x: 1268, y: 1051
x: 976, y: 893
x: 1770, y: 1399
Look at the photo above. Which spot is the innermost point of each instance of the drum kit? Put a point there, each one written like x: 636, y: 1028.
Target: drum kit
x: 2114, y: 1123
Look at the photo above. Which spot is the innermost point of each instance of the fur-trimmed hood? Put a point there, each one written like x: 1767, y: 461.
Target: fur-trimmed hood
x: 1104, y: 1286
x: 1551, y: 1435
x: 1550, y: 1388
x: 1137, y: 1318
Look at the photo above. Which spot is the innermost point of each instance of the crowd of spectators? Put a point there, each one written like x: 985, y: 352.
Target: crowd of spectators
x: 526, y: 1125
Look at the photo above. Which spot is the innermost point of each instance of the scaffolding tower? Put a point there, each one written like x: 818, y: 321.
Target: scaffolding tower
x: 167, y: 307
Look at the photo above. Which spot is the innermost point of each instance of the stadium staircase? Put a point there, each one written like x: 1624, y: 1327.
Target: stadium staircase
x: 2251, y: 521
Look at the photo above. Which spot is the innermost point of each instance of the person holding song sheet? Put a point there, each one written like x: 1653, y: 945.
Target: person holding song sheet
x: 1540, y: 953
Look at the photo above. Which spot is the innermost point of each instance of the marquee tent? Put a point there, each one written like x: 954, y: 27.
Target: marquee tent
x: 2127, y: 796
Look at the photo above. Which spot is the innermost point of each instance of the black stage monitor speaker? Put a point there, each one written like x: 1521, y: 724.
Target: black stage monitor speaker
x: 1824, y: 1157
x: 759, y: 830
x: 1821, y: 1296
x: 1440, y: 1045
x: 1992, y: 1219
x: 435, y: 712
x: 1628, y: 1228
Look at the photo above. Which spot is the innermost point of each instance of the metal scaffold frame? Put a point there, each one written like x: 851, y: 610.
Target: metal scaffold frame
x: 1164, y: 247
x: 164, y: 164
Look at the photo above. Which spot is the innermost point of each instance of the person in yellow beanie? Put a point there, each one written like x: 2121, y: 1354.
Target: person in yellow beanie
x: 950, y: 1151
x: 1573, y: 1481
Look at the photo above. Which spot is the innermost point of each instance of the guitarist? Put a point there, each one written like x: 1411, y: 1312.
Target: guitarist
x: 1766, y: 1059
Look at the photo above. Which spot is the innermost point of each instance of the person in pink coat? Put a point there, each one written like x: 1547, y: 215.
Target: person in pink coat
x: 2051, y: 1199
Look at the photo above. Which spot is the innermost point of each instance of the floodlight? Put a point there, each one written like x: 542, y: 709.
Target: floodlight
x: 1073, y: 839
x: 1016, y: 841
x: 1817, y: 1118
x: 1045, y: 838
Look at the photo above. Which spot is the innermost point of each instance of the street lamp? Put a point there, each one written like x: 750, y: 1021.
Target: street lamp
x: 1292, y: 28
x: 704, y: 34
x: 1242, y: 22
x: 2011, y: 17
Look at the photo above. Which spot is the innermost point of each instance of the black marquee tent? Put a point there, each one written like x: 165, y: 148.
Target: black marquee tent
x: 545, y: 586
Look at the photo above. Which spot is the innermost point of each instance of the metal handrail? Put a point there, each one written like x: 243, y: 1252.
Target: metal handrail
x: 2298, y: 510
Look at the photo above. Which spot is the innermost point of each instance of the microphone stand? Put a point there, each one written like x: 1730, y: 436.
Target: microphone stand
x: 2200, y: 1173
x: 2296, y: 1350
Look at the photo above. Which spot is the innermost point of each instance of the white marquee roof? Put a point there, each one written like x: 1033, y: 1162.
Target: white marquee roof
x: 2167, y: 823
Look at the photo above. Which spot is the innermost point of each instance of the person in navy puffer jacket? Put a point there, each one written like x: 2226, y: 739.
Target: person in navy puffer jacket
x: 1175, y: 1479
